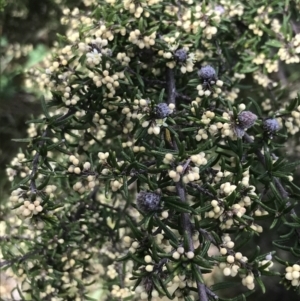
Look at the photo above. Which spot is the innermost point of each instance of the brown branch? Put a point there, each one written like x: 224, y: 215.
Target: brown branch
x: 171, y: 89
x: 185, y: 217
x: 183, y: 97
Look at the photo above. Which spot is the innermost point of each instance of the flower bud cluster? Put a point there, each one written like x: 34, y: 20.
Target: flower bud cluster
x: 226, y: 217
x: 142, y: 41
x: 270, y: 65
x: 289, y: 52
x: 213, y: 129
x: 135, y: 148
x: 188, y: 174
x: 227, y: 129
x: 28, y: 208
x: 235, y: 260
x: 31, y: 208
x: 87, y: 185
x: 291, y: 123
x: 219, y: 175
x: 180, y: 252
x: 169, y: 158
x: 137, y: 9
x: 260, y: 212
x: 123, y: 58
x: 256, y: 228
x: 75, y: 168
x: 121, y: 293
x: 231, y: 9
x: 96, y: 50
x: 264, y: 80
x: 245, y: 181
x: 17, y: 167
x: 217, y: 211
x: 49, y: 190
x: 115, y: 185
x: 262, y: 16
x: 142, y: 294
x: 227, y: 188
x: 207, y: 117
x: 103, y: 156
x: 292, y: 273
x: 248, y: 281
x: 204, y: 20
x: 111, y: 271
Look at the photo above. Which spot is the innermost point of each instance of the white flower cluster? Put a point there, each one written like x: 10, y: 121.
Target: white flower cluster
x: 142, y: 41
x: 209, y: 89
x: 190, y: 174
x: 289, y: 52
x: 293, y: 274
x: 154, y: 127
x: 236, y: 260
x: 28, y: 208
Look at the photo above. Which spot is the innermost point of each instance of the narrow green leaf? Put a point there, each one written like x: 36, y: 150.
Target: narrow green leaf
x: 45, y: 183
x: 197, y: 273
x: 276, y: 194
x: 223, y: 285
x: 27, y: 140
x: 167, y: 230
x: 137, y: 233
x: 157, y: 285
x: 44, y: 107
x: 261, y: 284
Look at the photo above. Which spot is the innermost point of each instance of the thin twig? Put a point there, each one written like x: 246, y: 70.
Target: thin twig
x: 203, y: 190
x: 185, y: 217
x: 18, y: 259
x: 171, y: 89
x: 183, y: 97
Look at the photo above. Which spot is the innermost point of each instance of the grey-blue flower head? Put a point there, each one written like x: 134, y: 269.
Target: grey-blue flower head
x: 271, y: 125
x: 148, y: 201
x: 181, y: 55
x: 245, y: 120
x: 161, y: 110
x: 207, y: 73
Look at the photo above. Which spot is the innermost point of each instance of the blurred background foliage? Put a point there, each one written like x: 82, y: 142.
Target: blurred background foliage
x: 28, y: 29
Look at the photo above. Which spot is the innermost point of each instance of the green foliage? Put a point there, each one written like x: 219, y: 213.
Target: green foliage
x: 210, y: 160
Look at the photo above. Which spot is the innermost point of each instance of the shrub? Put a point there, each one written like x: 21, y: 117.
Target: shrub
x: 158, y: 164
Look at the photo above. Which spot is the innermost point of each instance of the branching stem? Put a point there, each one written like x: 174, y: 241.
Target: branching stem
x: 185, y: 217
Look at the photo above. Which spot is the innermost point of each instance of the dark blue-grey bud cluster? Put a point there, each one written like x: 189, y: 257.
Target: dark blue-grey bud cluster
x: 207, y: 73
x: 271, y: 126
x: 148, y: 201
x: 161, y: 110
x: 180, y: 55
x: 245, y: 120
